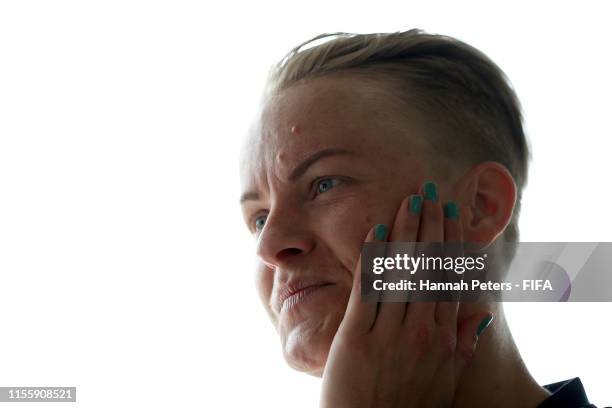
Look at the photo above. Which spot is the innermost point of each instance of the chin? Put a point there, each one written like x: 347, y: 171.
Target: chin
x: 306, y: 345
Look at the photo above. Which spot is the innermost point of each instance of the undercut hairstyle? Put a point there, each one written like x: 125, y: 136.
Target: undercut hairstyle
x: 464, y: 97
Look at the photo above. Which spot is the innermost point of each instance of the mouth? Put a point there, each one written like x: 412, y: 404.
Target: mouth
x: 292, y: 297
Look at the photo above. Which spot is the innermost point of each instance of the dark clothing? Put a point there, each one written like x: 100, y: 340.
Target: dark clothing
x: 566, y: 394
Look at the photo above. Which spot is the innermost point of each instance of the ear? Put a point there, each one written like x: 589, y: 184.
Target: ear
x: 487, y: 193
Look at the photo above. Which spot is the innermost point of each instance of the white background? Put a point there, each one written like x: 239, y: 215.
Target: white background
x: 125, y: 269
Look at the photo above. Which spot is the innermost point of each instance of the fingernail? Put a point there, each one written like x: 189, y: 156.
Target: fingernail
x: 430, y: 191
x: 380, y: 232
x: 486, y: 322
x: 451, y: 210
x: 415, y: 204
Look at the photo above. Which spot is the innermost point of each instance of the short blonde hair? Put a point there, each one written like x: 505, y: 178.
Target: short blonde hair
x: 467, y: 98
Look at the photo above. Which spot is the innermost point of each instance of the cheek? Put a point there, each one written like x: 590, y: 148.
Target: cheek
x: 344, y: 227
x: 264, y: 279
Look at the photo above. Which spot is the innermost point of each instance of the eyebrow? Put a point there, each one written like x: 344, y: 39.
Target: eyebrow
x: 301, y: 168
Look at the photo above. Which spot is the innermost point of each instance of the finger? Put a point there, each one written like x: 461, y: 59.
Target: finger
x: 453, y: 231
x: 406, y: 225
x: 430, y: 231
x: 360, y: 315
x: 432, y: 222
x: 468, y: 334
x: 446, y: 312
x: 392, y: 309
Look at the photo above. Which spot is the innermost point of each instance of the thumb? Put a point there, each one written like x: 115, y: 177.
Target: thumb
x: 468, y: 332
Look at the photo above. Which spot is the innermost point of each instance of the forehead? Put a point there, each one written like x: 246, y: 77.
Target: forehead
x: 328, y: 112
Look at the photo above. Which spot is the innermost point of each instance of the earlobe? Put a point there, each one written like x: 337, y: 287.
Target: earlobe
x: 489, y: 194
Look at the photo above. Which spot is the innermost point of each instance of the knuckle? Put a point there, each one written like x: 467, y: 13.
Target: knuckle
x: 385, y: 345
x: 447, y: 342
x: 421, y: 339
x: 357, y: 346
x: 467, y: 353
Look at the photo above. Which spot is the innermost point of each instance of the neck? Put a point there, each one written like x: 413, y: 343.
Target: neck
x: 497, y: 375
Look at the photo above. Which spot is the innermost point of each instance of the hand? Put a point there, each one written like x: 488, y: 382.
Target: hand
x: 402, y: 354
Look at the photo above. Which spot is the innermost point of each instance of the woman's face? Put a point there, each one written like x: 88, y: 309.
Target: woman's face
x: 310, y: 211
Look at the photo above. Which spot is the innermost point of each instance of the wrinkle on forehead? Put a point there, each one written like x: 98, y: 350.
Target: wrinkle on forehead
x: 310, y: 115
x: 328, y: 113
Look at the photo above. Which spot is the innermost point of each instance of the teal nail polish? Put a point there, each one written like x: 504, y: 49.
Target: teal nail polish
x: 451, y: 210
x: 486, y: 322
x: 430, y: 191
x: 415, y: 204
x: 380, y: 232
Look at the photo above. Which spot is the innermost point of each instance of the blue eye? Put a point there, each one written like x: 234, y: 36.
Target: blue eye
x: 327, y: 183
x: 259, y: 225
x: 323, y: 185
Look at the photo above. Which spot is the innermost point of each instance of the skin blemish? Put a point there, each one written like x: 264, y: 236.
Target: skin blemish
x: 282, y: 160
x: 280, y: 157
x: 295, y: 129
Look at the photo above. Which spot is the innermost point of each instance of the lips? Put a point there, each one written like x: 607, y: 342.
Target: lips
x: 294, y: 291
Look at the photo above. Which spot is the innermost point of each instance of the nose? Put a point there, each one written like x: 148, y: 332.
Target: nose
x: 284, y: 237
